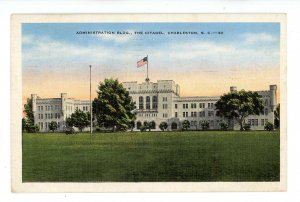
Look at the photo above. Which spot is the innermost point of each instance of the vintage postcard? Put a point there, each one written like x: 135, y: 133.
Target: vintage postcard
x: 148, y: 102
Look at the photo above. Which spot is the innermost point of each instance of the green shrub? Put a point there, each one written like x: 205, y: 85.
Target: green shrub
x: 53, y: 126
x: 185, y: 125
x: 246, y: 127
x: 163, y: 126
x: 205, y: 125
x: 224, y: 126
x: 269, y: 126
x: 143, y: 128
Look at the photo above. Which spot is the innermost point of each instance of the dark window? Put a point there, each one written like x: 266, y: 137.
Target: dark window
x: 154, y: 102
x: 141, y: 102
x: 138, y: 125
x: 153, y: 124
x: 147, y: 102
x: 174, y: 126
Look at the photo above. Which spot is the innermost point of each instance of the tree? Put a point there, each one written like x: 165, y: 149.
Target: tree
x: 163, y: 126
x: 147, y: 125
x: 223, y: 125
x: 186, y: 124
x: 28, y: 120
x: 143, y: 128
x: 269, y: 126
x: 247, y: 127
x: 132, y: 125
x: 28, y: 110
x: 53, y: 126
x: 205, y: 125
x: 23, y: 124
x: 69, y: 122
x: 277, y: 117
x: 113, y: 107
x: 79, y: 119
x: 152, y: 124
x: 239, y: 105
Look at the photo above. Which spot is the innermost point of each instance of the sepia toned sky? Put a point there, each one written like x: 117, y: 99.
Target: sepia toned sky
x: 56, y: 59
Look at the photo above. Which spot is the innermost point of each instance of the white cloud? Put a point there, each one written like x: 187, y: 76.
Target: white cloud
x: 215, y: 55
x: 44, y: 49
x: 193, y: 54
x: 27, y: 39
x: 254, y: 38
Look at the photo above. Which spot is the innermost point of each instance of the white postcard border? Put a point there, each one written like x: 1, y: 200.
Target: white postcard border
x: 16, y: 106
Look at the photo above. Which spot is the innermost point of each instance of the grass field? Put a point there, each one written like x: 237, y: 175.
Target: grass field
x: 152, y: 157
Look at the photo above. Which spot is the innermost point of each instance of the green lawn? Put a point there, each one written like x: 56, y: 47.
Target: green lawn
x: 152, y: 157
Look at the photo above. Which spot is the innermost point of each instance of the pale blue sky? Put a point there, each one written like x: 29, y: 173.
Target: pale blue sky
x: 243, y: 39
x: 54, y: 50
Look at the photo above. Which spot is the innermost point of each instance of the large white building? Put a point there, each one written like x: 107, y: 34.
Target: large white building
x: 158, y: 102
x: 46, y: 110
x: 161, y: 102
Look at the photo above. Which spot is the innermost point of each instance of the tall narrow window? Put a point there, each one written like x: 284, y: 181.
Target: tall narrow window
x: 266, y: 111
x: 141, y: 102
x: 147, y: 102
x: 266, y: 102
x: 154, y: 102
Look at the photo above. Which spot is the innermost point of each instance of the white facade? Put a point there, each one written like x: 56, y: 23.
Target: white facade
x: 55, y: 109
x: 161, y: 102
x: 158, y: 102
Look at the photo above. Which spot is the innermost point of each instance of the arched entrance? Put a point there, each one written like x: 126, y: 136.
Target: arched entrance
x: 174, y: 126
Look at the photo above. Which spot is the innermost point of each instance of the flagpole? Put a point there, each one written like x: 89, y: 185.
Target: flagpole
x: 147, y: 68
x: 91, y: 126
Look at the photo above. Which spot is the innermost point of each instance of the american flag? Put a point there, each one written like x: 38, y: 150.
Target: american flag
x: 142, y: 62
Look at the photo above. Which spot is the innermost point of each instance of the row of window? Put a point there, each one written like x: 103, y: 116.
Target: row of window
x: 69, y: 108
x: 49, y: 116
x: 57, y: 107
x: 48, y: 107
x: 211, y: 122
x: 194, y: 105
x: 254, y: 122
x: 84, y: 108
x: 194, y: 114
x: 41, y: 125
x: 154, y: 102
x: 147, y: 115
